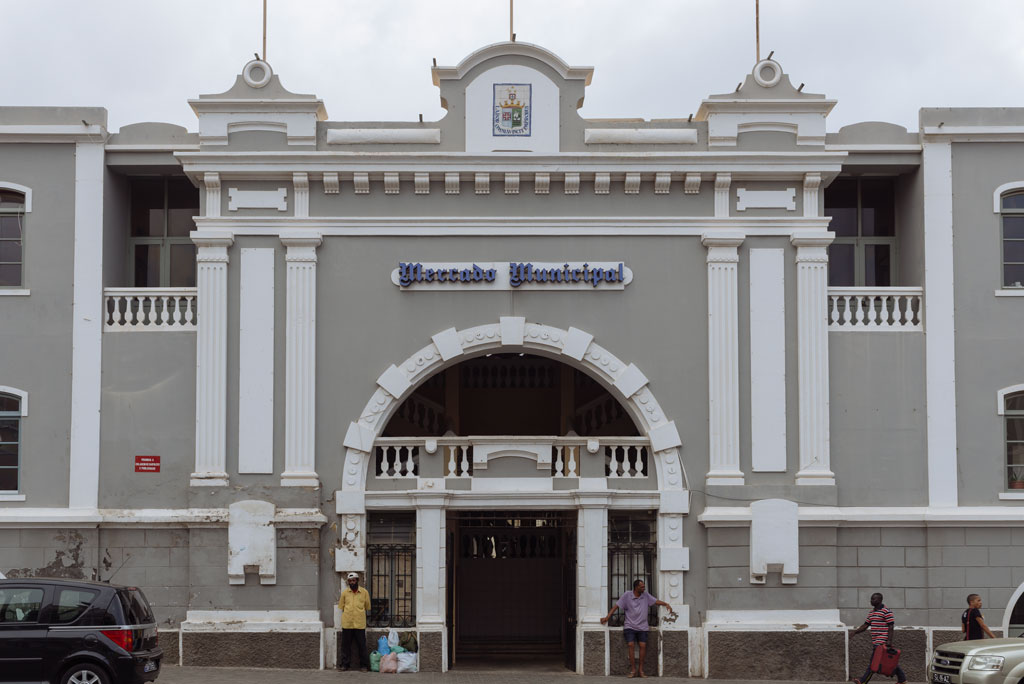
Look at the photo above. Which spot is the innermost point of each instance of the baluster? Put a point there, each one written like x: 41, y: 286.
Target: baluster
x: 571, y: 465
x: 465, y: 461
x: 451, y: 461
x: 833, y: 313
x: 558, y: 461
x: 131, y: 312
x: 630, y: 466
x: 641, y: 455
x: 860, y: 315
x: 614, y: 468
x: 392, y: 461
x: 847, y: 311
x: 900, y: 307
x: 188, y: 310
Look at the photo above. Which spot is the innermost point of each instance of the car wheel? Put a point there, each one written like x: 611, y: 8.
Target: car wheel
x: 85, y: 673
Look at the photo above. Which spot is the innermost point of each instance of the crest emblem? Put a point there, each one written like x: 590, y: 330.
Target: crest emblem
x: 512, y: 109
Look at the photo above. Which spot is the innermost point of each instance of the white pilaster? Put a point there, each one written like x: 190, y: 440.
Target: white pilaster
x: 812, y: 357
x: 211, y: 181
x: 211, y: 359
x: 86, y: 327
x: 300, y: 362
x: 723, y: 358
x: 430, y: 561
x: 592, y: 555
x: 940, y: 370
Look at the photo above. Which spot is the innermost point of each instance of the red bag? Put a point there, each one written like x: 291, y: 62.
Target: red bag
x: 885, y: 660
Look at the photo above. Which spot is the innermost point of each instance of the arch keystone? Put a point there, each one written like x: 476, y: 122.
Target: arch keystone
x: 631, y: 381
x: 359, y: 437
x: 448, y: 344
x: 513, y: 330
x: 576, y: 343
x: 665, y: 437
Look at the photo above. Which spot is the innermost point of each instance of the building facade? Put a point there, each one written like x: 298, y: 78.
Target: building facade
x: 504, y: 363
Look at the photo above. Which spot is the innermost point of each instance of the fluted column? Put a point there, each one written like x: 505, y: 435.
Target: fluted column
x: 300, y: 362
x: 211, y: 359
x: 812, y: 357
x: 723, y: 359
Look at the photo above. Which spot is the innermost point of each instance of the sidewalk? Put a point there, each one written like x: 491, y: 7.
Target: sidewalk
x: 231, y: 675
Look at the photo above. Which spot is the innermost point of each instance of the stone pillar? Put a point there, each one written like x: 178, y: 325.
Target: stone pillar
x: 592, y: 591
x: 723, y: 359
x: 812, y: 357
x: 431, y: 577
x: 211, y: 359
x: 300, y: 361
x: 673, y: 562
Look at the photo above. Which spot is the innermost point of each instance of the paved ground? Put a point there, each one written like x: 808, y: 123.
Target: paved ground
x: 231, y: 675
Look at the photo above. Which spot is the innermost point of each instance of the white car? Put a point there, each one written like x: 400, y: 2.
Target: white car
x: 981, y: 661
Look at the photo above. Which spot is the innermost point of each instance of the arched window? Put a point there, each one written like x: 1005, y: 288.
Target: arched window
x: 1012, y: 219
x: 12, y: 409
x: 12, y: 219
x: 1011, y: 407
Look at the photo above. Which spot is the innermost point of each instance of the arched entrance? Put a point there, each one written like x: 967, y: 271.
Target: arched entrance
x: 1013, y: 616
x: 477, y: 482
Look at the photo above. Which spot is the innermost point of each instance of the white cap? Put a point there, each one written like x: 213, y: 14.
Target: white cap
x: 353, y: 575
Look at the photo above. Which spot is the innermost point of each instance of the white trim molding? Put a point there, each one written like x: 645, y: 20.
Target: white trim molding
x: 878, y: 516
x: 940, y: 353
x: 23, y: 189
x: 87, y: 327
x: 1000, y: 397
x: 997, y: 194
x: 22, y: 398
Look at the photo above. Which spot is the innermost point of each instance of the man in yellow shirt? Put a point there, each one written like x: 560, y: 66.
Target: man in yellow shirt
x: 354, y: 604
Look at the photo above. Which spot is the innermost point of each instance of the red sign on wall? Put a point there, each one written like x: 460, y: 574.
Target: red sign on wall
x: 147, y: 464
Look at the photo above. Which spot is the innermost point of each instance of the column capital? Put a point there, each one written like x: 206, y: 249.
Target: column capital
x: 723, y: 238
x: 211, y: 240
x: 812, y: 239
x: 302, y: 238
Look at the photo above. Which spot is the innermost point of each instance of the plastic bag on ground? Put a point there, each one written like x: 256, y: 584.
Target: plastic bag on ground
x: 389, y: 663
x: 408, y: 641
x: 397, y: 649
x: 393, y: 637
x: 382, y: 646
x: 375, y: 662
x: 408, y: 662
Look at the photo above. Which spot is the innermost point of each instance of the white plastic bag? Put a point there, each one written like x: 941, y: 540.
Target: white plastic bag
x: 393, y: 637
x: 408, y: 662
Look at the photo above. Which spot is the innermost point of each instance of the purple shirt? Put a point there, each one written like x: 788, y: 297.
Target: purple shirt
x: 635, y: 607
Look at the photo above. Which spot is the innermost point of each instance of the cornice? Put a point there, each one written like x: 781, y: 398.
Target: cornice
x: 445, y: 73
x: 56, y: 133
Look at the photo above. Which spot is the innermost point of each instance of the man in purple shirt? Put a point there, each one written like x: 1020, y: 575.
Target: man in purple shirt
x: 635, y: 605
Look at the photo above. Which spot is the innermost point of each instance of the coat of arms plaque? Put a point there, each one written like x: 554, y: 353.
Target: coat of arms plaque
x: 512, y: 109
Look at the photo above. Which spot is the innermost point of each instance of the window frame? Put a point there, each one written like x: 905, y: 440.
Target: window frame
x: 20, y: 414
x: 393, y: 537
x: 22, y: 212
x: 861, y: 241
x: 1003, y: 396
x: 164, y: 242
x: 1005, y: 213
x: 648, y: 548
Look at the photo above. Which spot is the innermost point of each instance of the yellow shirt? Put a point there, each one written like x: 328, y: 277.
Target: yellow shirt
x: 354, y: 605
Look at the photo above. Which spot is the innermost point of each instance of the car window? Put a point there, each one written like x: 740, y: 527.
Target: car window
x: 71, y: 603
x: 20, y: 604
x: 136, y: 608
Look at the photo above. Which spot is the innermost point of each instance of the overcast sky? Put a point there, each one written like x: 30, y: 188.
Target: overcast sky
x: 370, y: 59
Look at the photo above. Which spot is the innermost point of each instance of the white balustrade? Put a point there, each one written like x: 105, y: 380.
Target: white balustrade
x: 625, y: 461
x: 397, y: 462
x: 875, y: 308
x: 149, y: 308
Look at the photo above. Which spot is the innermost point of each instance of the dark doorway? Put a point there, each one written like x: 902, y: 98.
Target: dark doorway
x: 512, y: 585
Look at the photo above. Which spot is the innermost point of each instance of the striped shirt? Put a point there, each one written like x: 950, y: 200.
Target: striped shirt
x: 878, y: 622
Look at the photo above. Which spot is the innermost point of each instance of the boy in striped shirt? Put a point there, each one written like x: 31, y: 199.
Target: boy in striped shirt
x: 881, y: 623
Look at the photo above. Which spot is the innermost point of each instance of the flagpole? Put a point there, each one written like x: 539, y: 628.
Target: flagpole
x: 264, y: 30
x: 511, y: 32
x: 757, y: 27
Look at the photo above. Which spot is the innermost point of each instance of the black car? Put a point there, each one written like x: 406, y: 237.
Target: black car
x: 76, y: 632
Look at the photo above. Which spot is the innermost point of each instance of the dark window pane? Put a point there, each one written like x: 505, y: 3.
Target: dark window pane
x: 10, y: 275
x: 9, y: 403
x: 11, y: 200
x: 840, y: 265
x: 844, y: 222
x: 877, y: 266
x: 9, y: 430
x: 1015, y: 402
x: 8, y: 479
x: 1013, y: 227
x: 147, y: 214
x: 1014, y: 201
x: 841, y: 205
x: 1013, y: 275
x: 20, y: 605
x: 8, y: 455
x: 10, y: 250
x: 1013, y: 251
x: 1015, y: 429
x: 10, y: 226
x: 1015, y: 457
x: 147, y: 265
x: 183, y: 265
x: 182, y: 205
x: 71, y: 603
x: 878, y: 215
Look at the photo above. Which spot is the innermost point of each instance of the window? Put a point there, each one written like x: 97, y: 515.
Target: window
x: 632, y: 553
x: 11, y: 411
x: 391, y: 569
x: 1012, y: 216
x: 71, y: 603
x: 863, y: 213
x: 1013, y: 420
x: 12, y: 253
x: 160, y: 251
x: 19, y: 604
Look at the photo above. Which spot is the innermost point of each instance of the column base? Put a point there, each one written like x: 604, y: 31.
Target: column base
x: 300, y: 480
x: 208, y: 480
x: 724, y: 477
x: 816, y: 477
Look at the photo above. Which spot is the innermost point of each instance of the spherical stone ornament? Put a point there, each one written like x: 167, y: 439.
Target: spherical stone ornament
x: 257, y: 73
x: 767, y: 73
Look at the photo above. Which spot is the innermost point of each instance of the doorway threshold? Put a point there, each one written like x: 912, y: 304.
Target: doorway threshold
x: 504, y: 663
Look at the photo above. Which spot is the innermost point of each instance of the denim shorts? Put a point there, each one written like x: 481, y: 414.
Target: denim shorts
x: 632, y: 635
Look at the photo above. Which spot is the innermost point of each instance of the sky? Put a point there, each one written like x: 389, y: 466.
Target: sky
x: 370, y: 59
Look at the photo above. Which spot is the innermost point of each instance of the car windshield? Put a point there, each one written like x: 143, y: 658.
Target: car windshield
x: 136, y: 608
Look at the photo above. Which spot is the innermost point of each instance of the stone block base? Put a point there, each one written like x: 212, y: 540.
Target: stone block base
x: 913, y: 644
x: 618, y: 653
x: 675, y: 659
x: 593, y: 653
x: 169, y: 642
x: 293, y: 650
x: 808, y: 656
